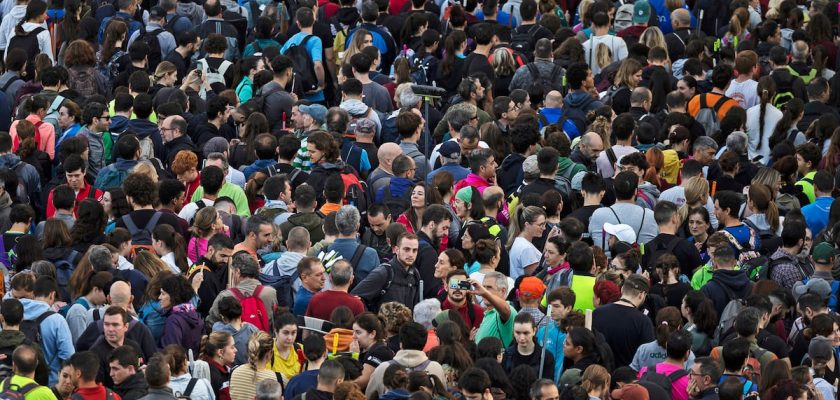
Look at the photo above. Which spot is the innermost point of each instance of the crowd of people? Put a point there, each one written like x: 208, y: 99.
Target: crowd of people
x: 425, y: 200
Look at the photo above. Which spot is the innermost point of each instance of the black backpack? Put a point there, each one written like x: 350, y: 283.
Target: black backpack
x: 305, y: 80
x: 397, y: 204
x: 658, y: 251
x: 552, y: 82
x: 662, y: 380
x: 29, y: 44
x: 32, y: 328
x: 151, y: 39
x: 283, y: 285
x: 14, y: 392
x: 522, y: 41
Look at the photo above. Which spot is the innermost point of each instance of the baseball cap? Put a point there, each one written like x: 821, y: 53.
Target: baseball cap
x: 623, y: 232
x: 365, y: 126
x: 641, y: 12
x: 820, y: 348
x: 630, y: 392
x: 531, y: 288
x: 157, y: 12
x: 816, y: 286
x: 450, y: 149
x: 316, y: 111
x: 571, y: 377
x: 823, y: 253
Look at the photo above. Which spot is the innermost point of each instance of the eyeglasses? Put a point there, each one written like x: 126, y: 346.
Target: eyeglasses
x: 108, y: 117
x: 474, y: 117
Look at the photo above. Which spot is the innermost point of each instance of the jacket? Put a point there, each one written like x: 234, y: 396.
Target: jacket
x: 56, y: 341
x: 403, y: 288
x: 121, y: 165
x: 427, y: 256
x: 246, y: 287
x: 320, y: 172
x: 27, y: 173
x: 44, y: 39
x: 787, y: 269
x: 397, y: 185
x: 133, y: 24
x: 159, y: 394
x: 812, y: 111
x: 133, y: 388
x: 722, y: 279
x: 96, y: 141
x: 420, y: 162
x: 184, y: 327
x: 144, y: 128
x: 277, y: 105
x: 192, y: 11
x: 312, y: 221
x: 471, y: 180
x: 137, y: 332
x: 647, y: 195
x: 523, y: 79
x: 240, y: 338
x: 405, y: 358
x: 119, y: 124
x: 202, y: 390
x: 12, y: 339
x: 258, y: 165
x: 510, y: 173
x: 347, y: 247
x: 10, y: 20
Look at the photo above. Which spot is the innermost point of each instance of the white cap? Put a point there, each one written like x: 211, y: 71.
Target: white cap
x: 623, y: 232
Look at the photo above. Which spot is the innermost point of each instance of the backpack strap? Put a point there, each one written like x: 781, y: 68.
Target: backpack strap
x: 11, y: 80
x: 703, y: 103
x: 357, y: 255
x: 719, y: 103
x: 191, y: 386
x: 534, y: 71
x: 236, y: 293
x: 129, y: 224
x: 612, y: 157
x: 543, y: 120
x: 677, y: 375
x: 792, y: 135
x: 224, y: 67
x: 153, y: 221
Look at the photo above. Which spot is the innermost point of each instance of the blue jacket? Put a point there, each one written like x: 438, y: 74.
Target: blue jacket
x: 554, y: 345
x: 398, y: 186
x: 300, y: 382
x: 122, y: 165
x: 347, y: 247
x: 133, y: 25
x: 57, y: 342
x: 458, y: 172
x: 816, y: 213
x: 256, y: 166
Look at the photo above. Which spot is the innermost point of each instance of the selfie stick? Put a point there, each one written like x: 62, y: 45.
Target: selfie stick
x: 544, y: 342
x: 428, y: 93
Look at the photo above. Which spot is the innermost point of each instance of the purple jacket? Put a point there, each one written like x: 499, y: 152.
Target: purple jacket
x: 183, y: 327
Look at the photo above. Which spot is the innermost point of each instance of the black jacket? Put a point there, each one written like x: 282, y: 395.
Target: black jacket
x: 180, y: 143
x: 403, y: 285
x: 716, y: 289
x: 676, y: 42
x: 812, y: 111
x: 133, y: 388
x: 137, y: 332
x: 9, y: 340
x: 510, y: 172
x: 426, y: 260
x: 214, y: 282
x: 320, y: 172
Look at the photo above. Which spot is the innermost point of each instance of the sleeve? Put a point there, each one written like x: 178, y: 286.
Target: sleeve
x: 316, y: 49
x: 47, y: 132
x: 75, y: 322
x: 241, y: 202
x: 370, y: 286
x: 4, y: 32
x: 636, y: 364
x: 45, y: 44
x: 51, y: 207
x: 63, y: 339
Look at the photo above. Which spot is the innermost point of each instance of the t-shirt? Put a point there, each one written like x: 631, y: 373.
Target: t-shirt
x: 322, y: 304
x: 522, y: 254
x: 679, y: 389
x: 624, y: 329
x: 39, y: 393
x: 302, y: 298
x: 651, y: 354
x: 514, y: 359
x: 376, y: 96
x: 478, y: 63
x: 492, y: 326
x: 745, y: 92
x: 376, y: 355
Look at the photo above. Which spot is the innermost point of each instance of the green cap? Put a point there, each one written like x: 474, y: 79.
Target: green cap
x: 823, y: 253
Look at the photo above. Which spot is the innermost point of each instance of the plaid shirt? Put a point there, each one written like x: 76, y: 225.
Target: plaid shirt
x: 788, y: 269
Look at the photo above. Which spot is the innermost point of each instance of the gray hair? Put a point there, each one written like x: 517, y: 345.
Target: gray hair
x: 799, y: 50
x: 536, y: 388
x: 737, y: 142
x: 221, y: 157
x: 469, y: 133
x: 269, y: 389
x: 347, y: 220
x: 44, y: 268
x: 426, y: 311
x: 705, y: 142
x: 341, y: 273
x: 409, y: 100
x: 100, y: 258
x: 501, y: 279
x: 459, y: 117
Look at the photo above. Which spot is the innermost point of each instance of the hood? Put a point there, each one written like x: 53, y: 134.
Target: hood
x: 649, y: 188
x: 186, y: 313
x: 735, y: 280
x: 32, y: 309
x: 287, y: 263
x: 800, y: 68
x: 337, y: 166
x: 125, y: 165
x: 400, y: 185
x: 9, y: 160
x: 134, y: 382
x: 245, y: 331
x: 143, y: 128
x: 11, y: 338
x: 309, y: 221
x: 476, y: 181
x: 677, y: 68
x: 17, y: 12
x: 185, y: 378
x: 119, y: 124
x: 354, y: 106
x: 187, y: 8
x: 57, y: 253
x: 514, y: 159
x: 564, y: 164
x: 399, y: 394
x: 345, y: 15
x: 577, y: 99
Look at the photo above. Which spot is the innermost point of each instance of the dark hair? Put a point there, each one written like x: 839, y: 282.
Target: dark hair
x: 12, y: 311
x: 85, y: 361
x: 412, y: 336
x: 178, y: 288
x: 625, y: 185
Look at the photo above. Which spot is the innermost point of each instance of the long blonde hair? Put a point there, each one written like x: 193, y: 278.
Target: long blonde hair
x: 503, y: 62
x: 356, y: 44
x: 624, y: 76
x: 653, y: 37
x: 696, y: 192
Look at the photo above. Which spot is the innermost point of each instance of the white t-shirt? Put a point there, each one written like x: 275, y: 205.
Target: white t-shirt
x: 617, y: 46
x: 760, y: 146
x: 522, y: 254
x: 746, y: 92
x: 188, y: 212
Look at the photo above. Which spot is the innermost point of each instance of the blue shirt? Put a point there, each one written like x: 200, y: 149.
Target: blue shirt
x: 315, y: 49
x: 300, y: 383
x: 347, y: 247
x: 256, y: 166
x: 816, y: 214
x: 458, y: 172
x: 302, y: 298
x: 502, y: 17
x: 554, y: 345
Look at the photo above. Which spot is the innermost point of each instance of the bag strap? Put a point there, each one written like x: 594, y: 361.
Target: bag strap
x: 677, y: 375
x: 719, y: 103
x: 612, y: 157
x: 11, y: 80
x: 152, y: 221
x: 357, y: 255
x: 236, y: 293
x: 543, y: 119
x: 190, y: 387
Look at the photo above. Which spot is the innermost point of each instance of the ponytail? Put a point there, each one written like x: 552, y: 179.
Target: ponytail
x: 766, y: 92
x: 793, y: 110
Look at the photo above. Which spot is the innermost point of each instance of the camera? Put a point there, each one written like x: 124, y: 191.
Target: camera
x: 460, y: 285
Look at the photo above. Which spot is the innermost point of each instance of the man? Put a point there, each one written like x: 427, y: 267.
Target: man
x: 816, y: 213
x: 312, y: 278
x: 703, y: 378
x: 212, y: 178
x: 622, y: 128
x: 601, y: 35
x: 498, y: 313
x: 218, y: 113
x: 228, y: 190
x: 524, y: 140
x: 12, y: 338
x: 259, y: 233
x: 786, y: 83
x: 269, y: 389
x: 524, y: 38
x: 74, y: 172
x: 483, y: 171
x: 244, y: 274
x: 330, y: 375
x: 704, y: 150
x: 56, y: 340
x: 524, y: 351
x: 297, y: 246
x: 641, y: 16
x: 154, y: 27
x: 77, y: 314
x: 544, y: 389
x: 531, y: 291
x: 808, y: 157
x: 677, y: 356
x: 475, y: 383
x: 214, y: 264
x: 20, y: 219
x: 744, y: 88
x: 124, y: 367
x: 676, y: 194
x: 265, y: 146
x: 726, y: 281
x: 458, y: 298
x: 396, y: 280
x: 434, y: 225
x: 127, y: 150
x: 386, y: 154
x: 477, y: 61
x: 85, y: 366
x: 552, y: 110
x: 158, y: 375
x: 187, y: 43
x: 412, y: 339
x: 593, y: 189
x: 278, y: 103
x: 579, y: 102
x: 624, y: 211
x: 548, y: 164
x: 126, y: 9
x: 323, y: 303
x: 141, y: 194
x: 362, y: 258
x: 306, y: 216
x: 541, y: 71
x: 624, y: 327
x: 24, y: 363
x: 561, y: 300
x: 721, y: 79
x: 173, y: 130
x: 589, y: 149
x: 727, y: 206
x: 737, y: 351
x: 351, y: 101
x: 449, y: 156
x: 641, y: 101
x: 667, y: 242
x: 819, y: 95
x: 278, y: 199
x: 315, y: 351
x: 785, y: 266
x: 217, y: 23
x: 453, y: 122
x: 115, y: 322
x: 374, y: 94
x: 823, y: 256
x: 410, y: 126
x: 96, y: 122
x: 144, y: 123
x: 27, y: 174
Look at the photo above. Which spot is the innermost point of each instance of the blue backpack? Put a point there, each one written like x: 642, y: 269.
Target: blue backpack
x: 63, y: 270
x: 153, y: 317
x: 110, y: 179
x: 80, y: 300
x: 283, y: 285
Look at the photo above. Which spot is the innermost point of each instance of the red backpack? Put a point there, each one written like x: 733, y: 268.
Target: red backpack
x: 355, y: 191
x: 253, y: 308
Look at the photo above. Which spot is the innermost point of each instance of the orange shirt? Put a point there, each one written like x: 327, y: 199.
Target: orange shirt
x: 329, y: 207
x: 711, y: 100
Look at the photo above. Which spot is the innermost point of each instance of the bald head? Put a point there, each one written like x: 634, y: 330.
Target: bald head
x: 386, y: 154
x: 680, y: 18
x: 640, y: 97
x: 24, y: 361
x: 120, y: 294
x: 554, y: 99
x: 591, y: 145
x: 173, y: 127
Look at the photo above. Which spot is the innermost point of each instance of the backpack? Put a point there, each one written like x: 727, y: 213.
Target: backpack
x: 151, y: 39
x: 63, y: 270
x: 188, y: 391
x: 563, y: 180
x: 611, y: 93
x: 112, y: 178
x: 730, y: 312
x: 215, y: 75
x: 269, y: 213
x: 9, y: 83
x: 253, y: 308
x: 784, y: 92
x: 522, y: 41
x: 15, y: 392
x: 29, y: 44
x: 170, y: 25
x: 419, y: 367
x: 153, y: 317
x: 374, y: 303
x: 577, y: 116
x: 708, y: 117
x: 355, y: 192
x: 339, y: 32
x: 141, y: 238
x: 812, y: 73
x: 258, y: 100
x: 662, y: 380
x: 623, y: 17
x: 232, y: 52
x: 305, y: 80
x: 111, y: 68
x: 420, y: 74
x: 655, y: 253
x: 283, y: 285
x: 769, y: 240
x: 397, y: 204
x: 552, y: 83
x: 81, y: 300
x: 32, y: 328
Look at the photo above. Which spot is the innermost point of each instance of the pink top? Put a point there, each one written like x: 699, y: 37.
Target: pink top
x: 679, y: 390
x: 192, y: 247
x: 45, y: 136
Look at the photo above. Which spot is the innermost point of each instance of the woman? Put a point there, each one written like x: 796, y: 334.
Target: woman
x: 169, y: 246
x: 487, y: 254
x: 393, y: 315
x: 444, y: 182
x: 150, y: 265
x: 729, y: 165
x: 207, y: 223
x: 361, y: 39
x: 338, y: 339
x: 469, y: 208
x: 179, y: 368
x: 28, y: 250
x: 451, y: 68
x: 762, y: 119
x: 554, y: 263
x: 786, y: 390
x: 670, y: 285
x: 832, y: 158
x: 504, y: 66
x: 449, y: 260
x: 527, y: 224
x: 369, y: 342
x: 69, y: 119
x: 166, y: 75
x: 248, y: 68
x: 776, y: 371
x: 89, y: 227
x: 656, y: 161
x: 80, y: 61
x: 412, y: 34
x: 786, y: 130
x: 581, y: 349
x: 69, y: 28
x: 243, y: 380
x: 411, y: 218
x: 648, y: 355
x: 112, y: 58
x: 653, y: 37
x: 699, y: 224
x: 115, y: 205
x: 738, y: 31
x: 183, y: 324
x: 56, y: 244
x: 29, y: 153
x: 472, y: 234
x: 395, y: 381
x: 452, y: 351
x: 696, y: 195
x: 687, y: 86
x: 701, y: 317
x: 243, y: 152
x: 287, y: 355
x: 820, y: 32
x: 33, y: 19
x: 219, y: 350
x: 325, y: 157
x: 429, y: 384
x: 596, y: 382
x: 765, y: 215
x: 626, y: 79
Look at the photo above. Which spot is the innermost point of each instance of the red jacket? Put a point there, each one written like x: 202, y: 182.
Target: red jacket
x: 97, y: 393
x: 85, y: 193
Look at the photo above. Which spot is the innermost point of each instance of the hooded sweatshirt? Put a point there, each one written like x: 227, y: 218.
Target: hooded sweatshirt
x: 510, y: 173
x: 201, y: 391
x: 184, y: 327
x: 647, y: 195
x: 12, y: 339
x: 192, y: 11
x: 356, y: 107
x: 240, y: 338
x: 133, y: 388
x: 10, y: 20
x: 28, y: 173
x: 119, y: 124
x: 56, y: 341
x: 96, y: 158
x: 397, y: 186
x: 44, y: 40
x: 144, y: 128
x: 736, y: 281
x: 309, y: 220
